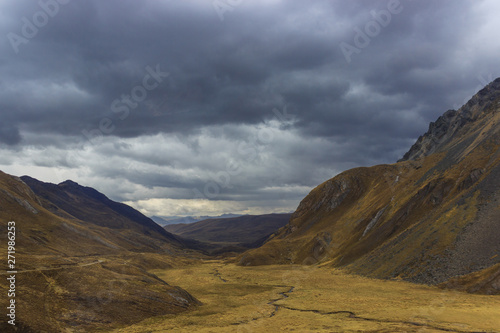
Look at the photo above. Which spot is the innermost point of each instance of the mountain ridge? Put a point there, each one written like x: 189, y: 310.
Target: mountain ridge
x: 428, y: 218
x: 89, y: 205
x: 451, y: 122
x: 79, y: 269
x: 166, y: 220
x: 234, y: 233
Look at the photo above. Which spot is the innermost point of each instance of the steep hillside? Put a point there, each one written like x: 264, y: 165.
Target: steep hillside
x: 44, y: 233
x: 245, y: 229
x: 432, y: 216
x: 81, y: 271
x: 72, y: 201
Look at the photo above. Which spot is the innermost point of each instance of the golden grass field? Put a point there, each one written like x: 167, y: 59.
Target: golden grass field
x: 313, y: 299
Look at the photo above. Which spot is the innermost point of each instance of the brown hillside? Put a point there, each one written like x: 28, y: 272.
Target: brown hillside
x: 432, y: 216
x: 245, y: 229
x: 85, y: 204
x: 74, y: 272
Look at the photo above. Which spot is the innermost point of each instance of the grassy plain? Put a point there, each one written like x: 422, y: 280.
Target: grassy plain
x: 312, y: 299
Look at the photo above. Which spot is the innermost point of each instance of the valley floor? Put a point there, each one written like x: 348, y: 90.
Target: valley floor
x: 312, y: 299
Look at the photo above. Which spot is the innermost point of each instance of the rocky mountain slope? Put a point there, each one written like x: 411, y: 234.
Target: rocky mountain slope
x: 81, y: 259
x: 430, y: 217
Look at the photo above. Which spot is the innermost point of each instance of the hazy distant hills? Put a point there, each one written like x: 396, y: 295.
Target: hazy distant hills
x: 82, y: 258
x: 164, y: 220
x: 430, y: 217
x: 242, y: 230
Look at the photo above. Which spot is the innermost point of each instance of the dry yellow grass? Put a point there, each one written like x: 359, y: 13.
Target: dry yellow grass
x: 261, y: 299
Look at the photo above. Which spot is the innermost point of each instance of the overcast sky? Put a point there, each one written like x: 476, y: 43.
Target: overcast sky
x: 204, y: 107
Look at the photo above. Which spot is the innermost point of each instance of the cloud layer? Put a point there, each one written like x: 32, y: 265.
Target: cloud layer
x: 199, y: 107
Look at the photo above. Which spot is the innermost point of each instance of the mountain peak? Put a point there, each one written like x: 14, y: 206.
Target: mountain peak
x: 444, y: 129
x: 69, y: 183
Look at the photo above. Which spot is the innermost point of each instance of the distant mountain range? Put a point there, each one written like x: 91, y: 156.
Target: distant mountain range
x: 240, y: 232
x: 429, y: 218
x: 165, y: 220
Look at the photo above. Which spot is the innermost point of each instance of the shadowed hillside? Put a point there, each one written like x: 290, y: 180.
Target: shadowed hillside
x: 73, y: 201
x: 242, y: 229
x: 85, y: 265
x: 430, y: 217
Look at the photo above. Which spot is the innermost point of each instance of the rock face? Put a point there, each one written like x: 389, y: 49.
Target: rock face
x: 451, y: 123
x: 486, y: 281
x: 432, y: 216
x: 439, y: 131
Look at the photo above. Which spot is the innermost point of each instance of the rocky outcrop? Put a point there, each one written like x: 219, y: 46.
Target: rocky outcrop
x: 333, y: 192
x: 374, y: 221
x: 447, y: 126
x: 22, y: 202
x: 486, y: 281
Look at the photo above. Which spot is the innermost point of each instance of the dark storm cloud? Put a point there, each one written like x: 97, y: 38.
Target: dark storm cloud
x: 195, y: 76
x: 9, y: 134
x: 235, y: 71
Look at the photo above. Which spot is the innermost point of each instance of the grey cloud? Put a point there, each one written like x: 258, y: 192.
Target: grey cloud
x: 9, y: 135
x: 220, y: 73
x: 226, y: 78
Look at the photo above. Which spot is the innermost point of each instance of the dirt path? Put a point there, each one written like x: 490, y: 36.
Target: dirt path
x: 55, y: 268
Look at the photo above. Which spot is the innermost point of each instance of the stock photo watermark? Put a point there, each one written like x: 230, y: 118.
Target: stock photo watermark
x: 31, y: 26
x: 363, y: 37
x: 11, y: 272
x: 223, y: 6
x: 122, y: 106
x: 119, y: 110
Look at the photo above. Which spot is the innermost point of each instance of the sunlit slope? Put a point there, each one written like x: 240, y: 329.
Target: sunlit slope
x: 41, y: 232
x: 425, y: 219
x: 298, y: 298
